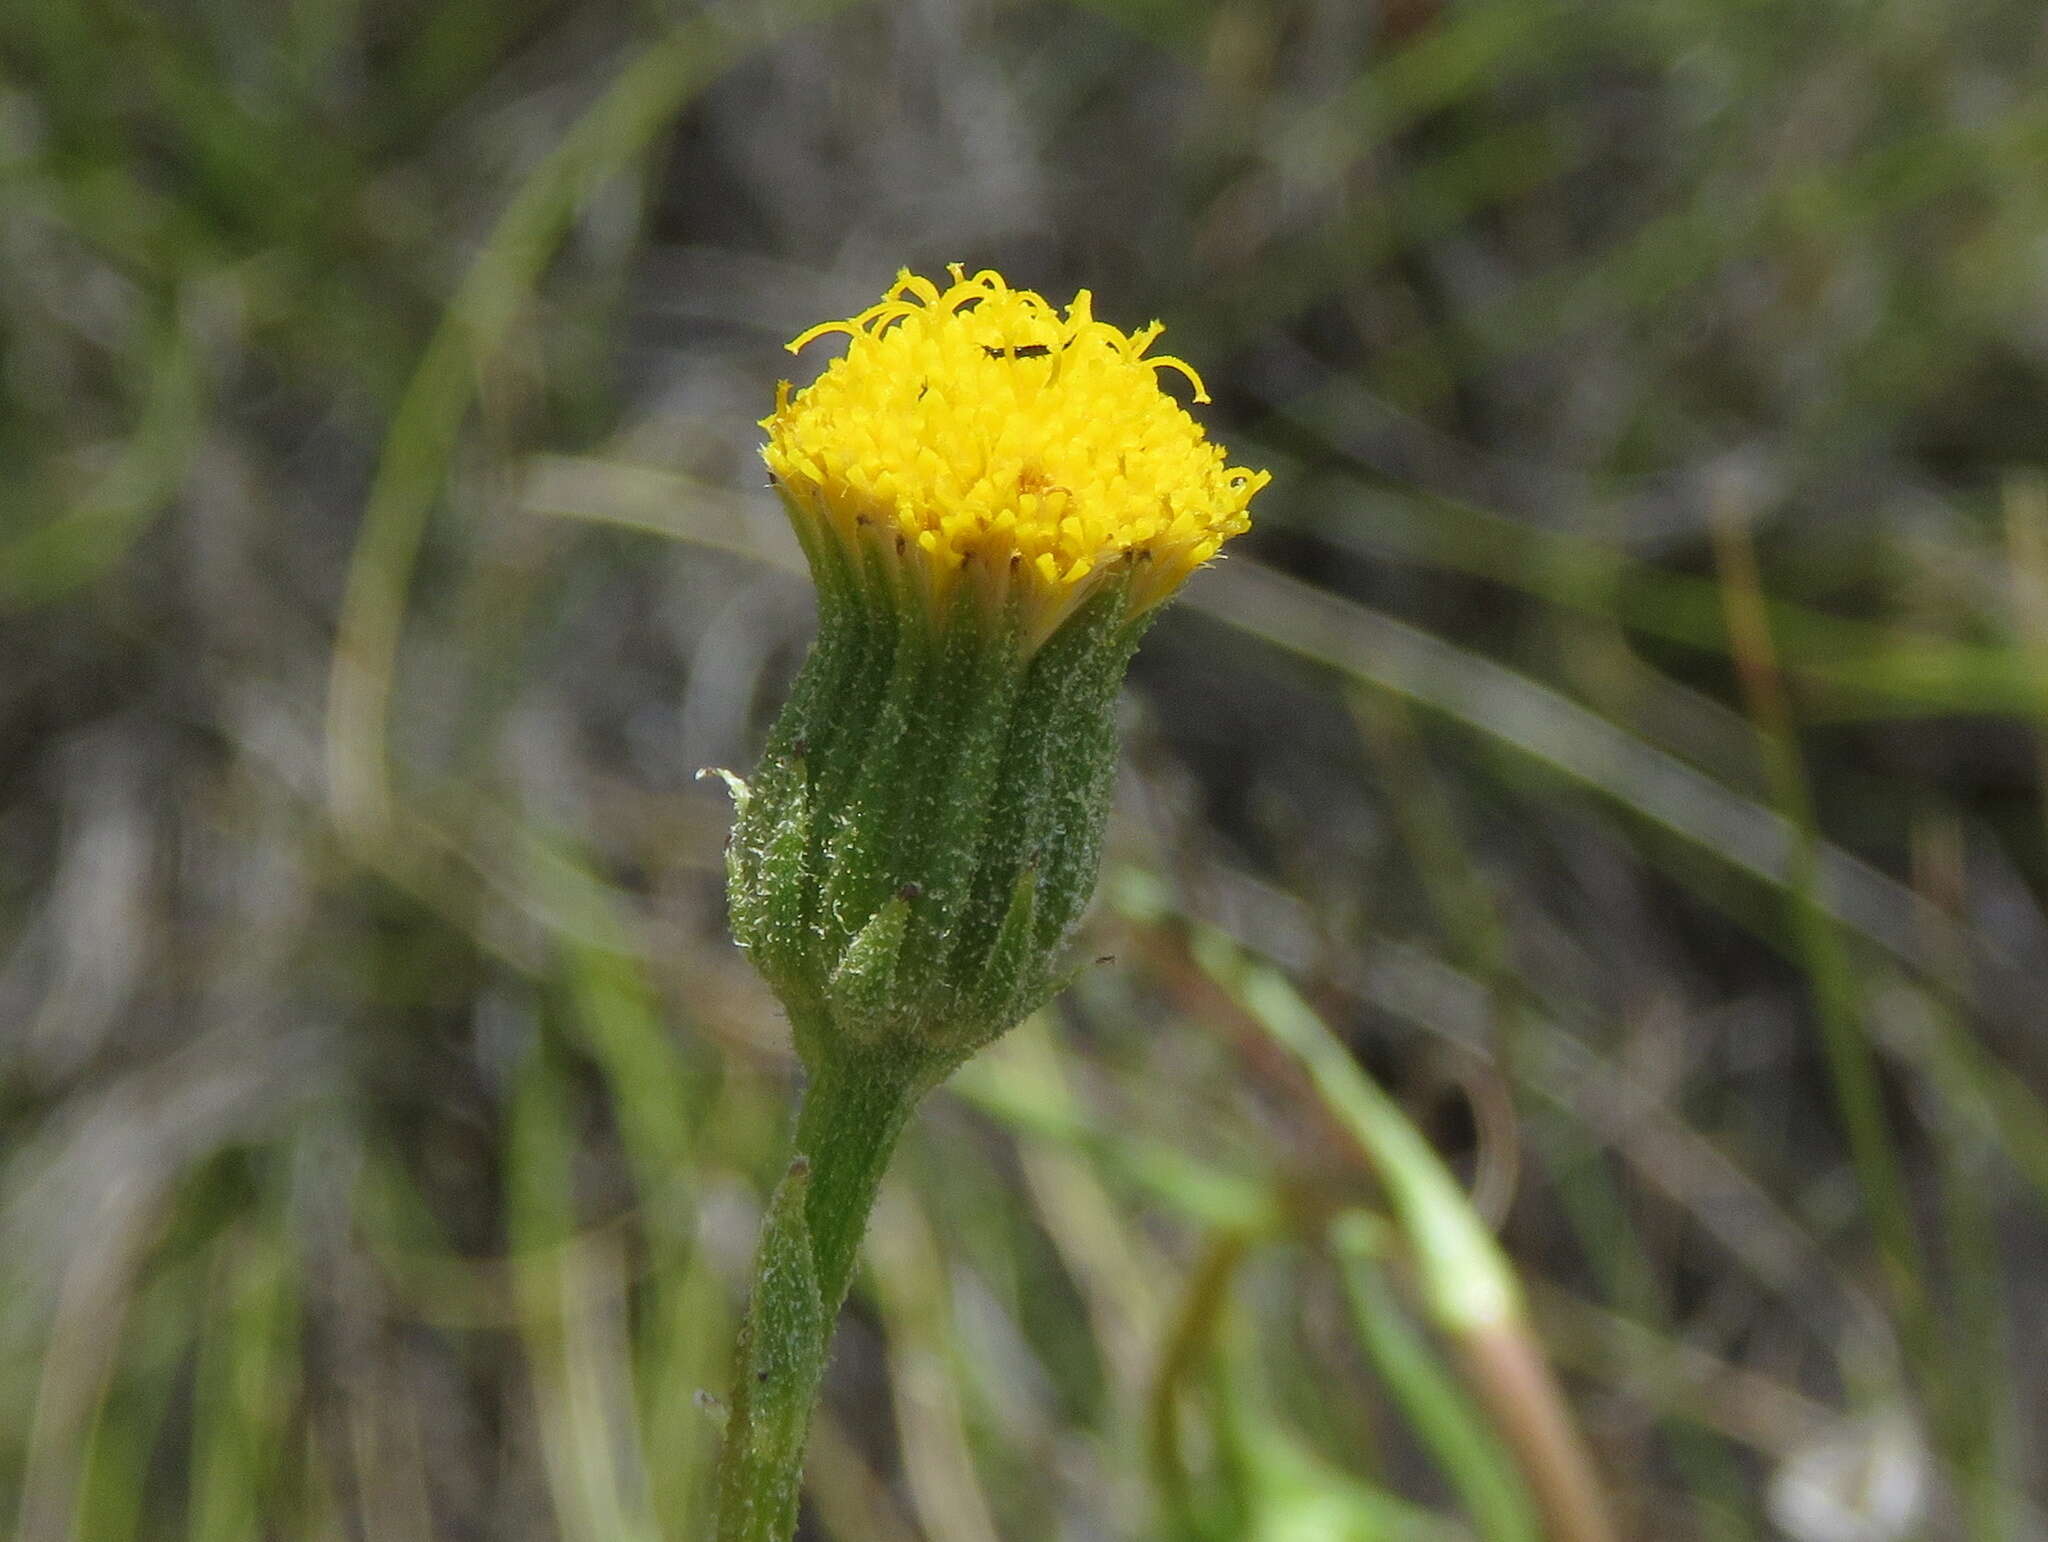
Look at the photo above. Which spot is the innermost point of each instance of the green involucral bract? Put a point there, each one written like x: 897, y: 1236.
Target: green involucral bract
x: 925, y: 826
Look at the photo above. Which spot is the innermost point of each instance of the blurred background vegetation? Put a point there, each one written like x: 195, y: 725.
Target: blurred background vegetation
x: 1623, y: 730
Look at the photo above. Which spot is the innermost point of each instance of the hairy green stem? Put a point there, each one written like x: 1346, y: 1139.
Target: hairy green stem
x: 852, y: 1114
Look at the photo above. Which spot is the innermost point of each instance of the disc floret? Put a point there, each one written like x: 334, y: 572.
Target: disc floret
x: 979, y: 435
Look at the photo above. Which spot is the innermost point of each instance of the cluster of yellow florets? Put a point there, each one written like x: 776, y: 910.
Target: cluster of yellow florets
x: 975, y: 434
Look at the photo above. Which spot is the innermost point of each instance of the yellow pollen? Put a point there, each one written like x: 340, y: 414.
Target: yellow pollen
x: 975, y: 434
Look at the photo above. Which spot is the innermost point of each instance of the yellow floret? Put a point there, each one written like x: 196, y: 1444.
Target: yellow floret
x: 975, y: 434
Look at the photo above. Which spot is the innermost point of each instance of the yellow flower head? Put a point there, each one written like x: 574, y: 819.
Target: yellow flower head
x: 976, y: 435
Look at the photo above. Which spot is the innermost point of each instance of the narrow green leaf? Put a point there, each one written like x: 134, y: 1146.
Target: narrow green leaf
x: 781, y: 1357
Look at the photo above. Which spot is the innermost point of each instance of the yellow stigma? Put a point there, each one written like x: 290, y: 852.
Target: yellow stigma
x: 976, y: 435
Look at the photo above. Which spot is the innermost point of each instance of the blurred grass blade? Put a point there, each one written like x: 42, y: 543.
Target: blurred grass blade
x: 1547, y: 726
x: 43, y: 565
x: 568, y: 1289
x: 1436, y: 1407
x: 1466, y: 1282
x: 1003, y: 1087
x: 244, y: 1387
x: 604, y: 143
x: 1833, y: 987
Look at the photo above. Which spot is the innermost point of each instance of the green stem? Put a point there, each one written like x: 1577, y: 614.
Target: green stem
x: 810, y: 1237
x: 852, y: 1113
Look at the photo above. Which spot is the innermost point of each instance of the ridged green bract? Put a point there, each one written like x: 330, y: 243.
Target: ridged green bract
x: 925, y: 826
